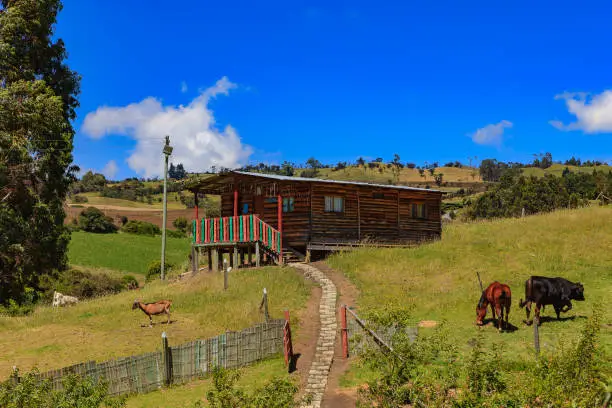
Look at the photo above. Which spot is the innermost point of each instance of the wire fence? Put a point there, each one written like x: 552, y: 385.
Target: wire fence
x: 179, y: 364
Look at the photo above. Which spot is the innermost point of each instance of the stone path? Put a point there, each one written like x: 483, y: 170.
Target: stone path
x: 319, y: 370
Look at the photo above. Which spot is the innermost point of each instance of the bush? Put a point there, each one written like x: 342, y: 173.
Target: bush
x: 141, y: 228
x: 181, y: 224
x: 154, y: 270
x: 130, y: 282
x: 277, y: 393
x: 24, y: 308
x: 80, y: 199
x: 92, y: 219
x: 77, y: 392
x: 124, y: 220
x: 81, y: 284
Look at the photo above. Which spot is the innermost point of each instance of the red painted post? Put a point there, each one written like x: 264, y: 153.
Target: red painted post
x: 345, y: 350
x: 280, y: 226
x: 197, y: 217
x: 235, y: 200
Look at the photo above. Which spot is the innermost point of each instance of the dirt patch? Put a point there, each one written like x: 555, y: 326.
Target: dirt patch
x: 347, y: 294
x: 305, y: 342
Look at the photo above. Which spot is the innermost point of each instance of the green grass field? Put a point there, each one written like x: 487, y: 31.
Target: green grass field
x: 557, y: 170
x: 354, y: 173
x: 124, y: 252
x: 94, y: 199
x: 107, y: 327
x: 439, y: 279
x: 186, y: 395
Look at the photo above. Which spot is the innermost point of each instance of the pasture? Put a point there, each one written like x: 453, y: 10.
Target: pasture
x: 186, y: 395
x: 406, y: 175
x: 107, y: 327
x: 127, y: 253
x: 439, y: 282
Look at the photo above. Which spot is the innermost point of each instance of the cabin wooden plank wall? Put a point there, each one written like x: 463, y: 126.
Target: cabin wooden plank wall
x: 370, y: 213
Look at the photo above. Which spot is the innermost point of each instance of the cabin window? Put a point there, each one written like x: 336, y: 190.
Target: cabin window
x: 334, y: 204
x: 288, y: 204
x: 378, y: 195
x: 419, y: 210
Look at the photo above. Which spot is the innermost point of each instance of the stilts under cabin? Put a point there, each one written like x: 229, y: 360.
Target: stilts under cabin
x: 271, y: 218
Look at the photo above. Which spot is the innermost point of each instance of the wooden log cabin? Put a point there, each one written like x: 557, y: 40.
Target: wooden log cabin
x: 280, y: 218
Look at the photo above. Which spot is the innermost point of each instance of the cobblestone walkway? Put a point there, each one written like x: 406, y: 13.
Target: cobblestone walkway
x: 319, y: 370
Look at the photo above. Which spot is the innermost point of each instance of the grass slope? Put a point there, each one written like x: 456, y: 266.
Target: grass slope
x: 439, y: 279
x: 557, y: 170
x: 124, y: 252
x: 354, y: 173
x: 107, y: 327
x: 94, y: 199
x: 186, y: 395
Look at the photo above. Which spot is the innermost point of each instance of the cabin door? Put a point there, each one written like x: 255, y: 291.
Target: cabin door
x: 259, y: 206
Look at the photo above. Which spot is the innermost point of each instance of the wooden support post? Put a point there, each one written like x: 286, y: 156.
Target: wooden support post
x: 236, y: 263
x: 307, y: 259
x: 231, y: 260
x: 345, y: 351
x: 166, y: 362
x: 257, y: 254
x: 250, y: 255
x: 210, y: 265
x: 194, y: 267
x: 235, y: 199
x: 242, y: 257
x: 215, y: 259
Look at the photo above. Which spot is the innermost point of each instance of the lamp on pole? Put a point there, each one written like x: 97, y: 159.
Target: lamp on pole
x: 167, y: 152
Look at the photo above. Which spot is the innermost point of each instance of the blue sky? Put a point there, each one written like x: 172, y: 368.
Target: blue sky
x: 431, y: 81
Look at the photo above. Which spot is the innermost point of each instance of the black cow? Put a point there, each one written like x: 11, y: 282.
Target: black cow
x: 558, y: 292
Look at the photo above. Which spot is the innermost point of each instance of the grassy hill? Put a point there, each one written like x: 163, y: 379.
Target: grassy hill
x: 439, y: 279
x: 557, y: 170
x: 107, y: 327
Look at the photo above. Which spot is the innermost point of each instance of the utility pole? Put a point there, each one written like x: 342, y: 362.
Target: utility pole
x: 167, y: 152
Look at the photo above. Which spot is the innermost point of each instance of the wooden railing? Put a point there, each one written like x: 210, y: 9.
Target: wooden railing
x: 242, y: 228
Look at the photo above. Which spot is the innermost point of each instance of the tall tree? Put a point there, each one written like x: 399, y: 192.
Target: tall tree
x: 38, y: 94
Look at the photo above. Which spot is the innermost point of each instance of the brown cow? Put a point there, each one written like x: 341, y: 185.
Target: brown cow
x: 499, y: 296
x: 159, y: 307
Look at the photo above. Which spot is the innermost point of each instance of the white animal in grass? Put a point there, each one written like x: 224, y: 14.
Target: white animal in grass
x: 63, y: 300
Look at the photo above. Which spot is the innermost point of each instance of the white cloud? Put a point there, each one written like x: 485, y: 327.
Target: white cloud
x: 593, y: 114
x: 184, y: 87
x: 491, y: 134
x: 110, y: 170
x: 197, y: 143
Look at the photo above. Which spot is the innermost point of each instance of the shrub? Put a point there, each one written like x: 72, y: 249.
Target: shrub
x: 92, y: 219
x: 81, y: 284
x: 154, y: 270
x: 80, y: 199
x: 141, y: 228
x: 277, y: 393
x: 77, y: 392
x: 124, y: 220
x: 181, y: 224
x: 130, y: 282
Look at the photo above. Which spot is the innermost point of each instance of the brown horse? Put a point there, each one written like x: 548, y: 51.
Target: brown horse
x: 498, y: 295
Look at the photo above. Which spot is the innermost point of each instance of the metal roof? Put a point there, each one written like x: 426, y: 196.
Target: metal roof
x: 357, y: 183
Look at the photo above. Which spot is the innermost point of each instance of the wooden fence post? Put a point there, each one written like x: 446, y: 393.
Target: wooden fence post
x: 257, y: 254
x: 226, y: 270
x: 345, y: 350
x: 287, y: 343
x: 536, y: 334
x: 264, y: 304
x: 166, y: 363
